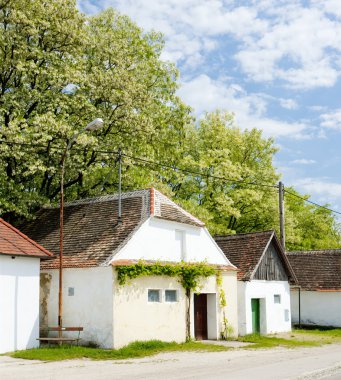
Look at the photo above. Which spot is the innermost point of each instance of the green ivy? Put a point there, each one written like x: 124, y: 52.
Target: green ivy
x: 188, y: 274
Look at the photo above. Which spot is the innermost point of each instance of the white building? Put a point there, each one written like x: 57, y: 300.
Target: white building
x: 263, y: 281
x: 19, y: 289
x: 317, y: 299
x: 153, y: 228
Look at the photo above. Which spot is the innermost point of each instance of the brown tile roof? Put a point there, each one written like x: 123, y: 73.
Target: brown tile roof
x: 317, y: 270
x: 246, y: 250
x: 15, y: 243
x: 91, y: 233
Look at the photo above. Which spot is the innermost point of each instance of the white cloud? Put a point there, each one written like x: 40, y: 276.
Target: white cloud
x: 332, y: 120
x: 289, y: 104
x: 205, y: 94
x: 273, y: 40
x: 323, y: 188
x: 303, y: 161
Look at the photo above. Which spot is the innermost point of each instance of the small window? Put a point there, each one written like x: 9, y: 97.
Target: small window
x: 154, y: 295
x: 277, y: 298
x: 71, y: 292
x: 171, y: 296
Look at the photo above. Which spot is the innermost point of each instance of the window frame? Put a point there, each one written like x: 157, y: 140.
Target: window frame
x: 154, y: 290
x: 176, y: 295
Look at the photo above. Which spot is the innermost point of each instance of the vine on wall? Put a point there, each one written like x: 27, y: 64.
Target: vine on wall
x: 188, y: 274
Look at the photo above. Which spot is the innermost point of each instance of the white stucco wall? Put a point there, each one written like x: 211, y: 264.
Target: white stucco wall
x: 137, y: 319
x: 272, y: 315
x: 317, y: 308
x: 19, y: 303
x: 157, y: 239
x: 90, y: 307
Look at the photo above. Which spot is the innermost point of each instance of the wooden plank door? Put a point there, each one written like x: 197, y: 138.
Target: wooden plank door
x: 255, y: 315
x: 200, y: 316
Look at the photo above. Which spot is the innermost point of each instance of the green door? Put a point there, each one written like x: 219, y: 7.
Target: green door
x: 255, y: 315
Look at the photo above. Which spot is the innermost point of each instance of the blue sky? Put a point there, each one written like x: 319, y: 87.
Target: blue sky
x: 275, y: 63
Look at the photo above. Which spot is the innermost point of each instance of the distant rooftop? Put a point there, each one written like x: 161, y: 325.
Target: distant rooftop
x: 318, y: 270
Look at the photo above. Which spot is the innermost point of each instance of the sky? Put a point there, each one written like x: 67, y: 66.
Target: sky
x: 276, y: 64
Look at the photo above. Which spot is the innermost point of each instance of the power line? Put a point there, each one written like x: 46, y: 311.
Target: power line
x: 311, y: 202
x: 159, y: 164
x: 179, y: 169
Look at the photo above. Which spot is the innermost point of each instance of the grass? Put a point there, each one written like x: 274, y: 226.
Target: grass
x: 262, y: 341
x: 133, y: 350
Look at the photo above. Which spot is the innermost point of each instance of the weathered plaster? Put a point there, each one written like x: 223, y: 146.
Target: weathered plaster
x: 317, y: 308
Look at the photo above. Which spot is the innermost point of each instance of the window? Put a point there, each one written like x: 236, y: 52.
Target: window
x: 171, y: 296
x: 277, y: 298
x: 154, y: 295
x: 71, y: 292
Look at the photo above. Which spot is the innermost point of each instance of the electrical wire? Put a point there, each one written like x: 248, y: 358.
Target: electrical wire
x: 311, y: 202
x: 179, y: 169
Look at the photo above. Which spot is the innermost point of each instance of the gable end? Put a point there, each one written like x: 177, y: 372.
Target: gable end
x: 271, y: 267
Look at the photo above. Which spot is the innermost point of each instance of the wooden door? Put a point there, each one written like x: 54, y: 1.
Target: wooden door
x: 200, y: 316
x: 255, y: 315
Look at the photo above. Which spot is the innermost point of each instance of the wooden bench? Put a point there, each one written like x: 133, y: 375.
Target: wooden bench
x: 60, y: 339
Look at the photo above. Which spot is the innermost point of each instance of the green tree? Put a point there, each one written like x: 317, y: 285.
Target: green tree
x: 240, y: 159
x: 58, y: 71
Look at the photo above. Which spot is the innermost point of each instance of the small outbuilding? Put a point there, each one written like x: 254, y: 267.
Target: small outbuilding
x: 19, y: 289
x: 149, y: 243
x: 263, y: 281
x: 317, y: 298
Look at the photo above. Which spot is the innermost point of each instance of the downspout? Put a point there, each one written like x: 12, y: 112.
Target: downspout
x: 299, y: 307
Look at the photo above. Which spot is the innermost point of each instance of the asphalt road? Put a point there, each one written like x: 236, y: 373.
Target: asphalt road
x: 277, y: 364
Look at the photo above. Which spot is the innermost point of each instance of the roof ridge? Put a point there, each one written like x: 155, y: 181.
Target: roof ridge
x: 243, y: 234
x: 41, y: 248
x: 315, y: 251
x: 104, y: 198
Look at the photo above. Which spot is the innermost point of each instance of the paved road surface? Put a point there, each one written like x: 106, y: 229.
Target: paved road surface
x: 276, y: 364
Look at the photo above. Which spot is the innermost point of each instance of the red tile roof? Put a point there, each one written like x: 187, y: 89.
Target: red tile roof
x: 92, y: 235
x: 245, y: 251
x: 317, y: 270
x: 15, y: 243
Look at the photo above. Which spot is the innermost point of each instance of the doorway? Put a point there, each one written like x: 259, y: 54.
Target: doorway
x: 200, y: 316
x: 255, y: 315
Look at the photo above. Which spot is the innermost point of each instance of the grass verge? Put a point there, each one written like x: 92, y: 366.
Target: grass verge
x: 261, y: 341
x: 133, y: 350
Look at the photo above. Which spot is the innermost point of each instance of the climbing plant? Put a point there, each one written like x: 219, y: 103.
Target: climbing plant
x: 188, y: 274
x: 227, y: 328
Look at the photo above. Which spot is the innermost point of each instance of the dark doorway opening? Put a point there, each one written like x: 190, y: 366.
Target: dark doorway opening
x: 200, y: 316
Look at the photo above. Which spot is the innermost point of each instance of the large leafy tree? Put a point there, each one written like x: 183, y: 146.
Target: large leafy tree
x: 58, y: 71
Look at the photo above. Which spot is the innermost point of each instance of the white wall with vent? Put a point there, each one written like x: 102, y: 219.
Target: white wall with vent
x: 164, y: 240
x: 274, y: 317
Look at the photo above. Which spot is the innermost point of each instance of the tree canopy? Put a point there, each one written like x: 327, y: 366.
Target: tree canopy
x: 60, y: 69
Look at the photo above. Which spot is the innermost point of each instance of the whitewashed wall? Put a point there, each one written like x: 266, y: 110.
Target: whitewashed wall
x: 158, y: 239
x: 90, y: 307
x: 272, y: 315
x: 317, y: 308
x: 137, y: 319
x: 19, y: 303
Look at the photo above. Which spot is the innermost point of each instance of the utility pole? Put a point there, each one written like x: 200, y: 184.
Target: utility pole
x: 281, y: 213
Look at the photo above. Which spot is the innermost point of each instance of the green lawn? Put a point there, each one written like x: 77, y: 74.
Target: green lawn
x: 132, y: 350
x: 296, y: 338
x: 262, y: 341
